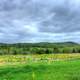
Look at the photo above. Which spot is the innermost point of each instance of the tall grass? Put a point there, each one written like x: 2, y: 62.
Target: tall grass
x: 37, y: 58
x: 40, y: 67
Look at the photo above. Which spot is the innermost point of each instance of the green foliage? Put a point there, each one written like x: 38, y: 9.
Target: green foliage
x: 39, y: 48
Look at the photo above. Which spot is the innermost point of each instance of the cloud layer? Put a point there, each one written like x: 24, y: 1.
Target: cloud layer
x: 39, y: 20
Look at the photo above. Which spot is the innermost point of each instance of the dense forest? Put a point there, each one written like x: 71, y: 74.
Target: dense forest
x: 39, y: 48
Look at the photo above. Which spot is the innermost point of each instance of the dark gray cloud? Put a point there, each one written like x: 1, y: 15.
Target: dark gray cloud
x: 39, y: 20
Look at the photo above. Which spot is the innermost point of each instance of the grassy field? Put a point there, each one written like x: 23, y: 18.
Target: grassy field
x: 40, y: 67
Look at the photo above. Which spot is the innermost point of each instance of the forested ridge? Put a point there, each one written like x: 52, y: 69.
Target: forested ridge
x: 39, y: 48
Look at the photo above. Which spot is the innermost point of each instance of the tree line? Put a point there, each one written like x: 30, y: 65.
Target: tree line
x: 39, y: 48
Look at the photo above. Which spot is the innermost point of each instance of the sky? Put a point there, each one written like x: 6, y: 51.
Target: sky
x: 39, y: 21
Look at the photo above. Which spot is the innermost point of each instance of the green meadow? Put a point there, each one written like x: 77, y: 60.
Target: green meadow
x: 40, y: 67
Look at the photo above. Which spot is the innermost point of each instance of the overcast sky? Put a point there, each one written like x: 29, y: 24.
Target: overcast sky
x: 39, y: 21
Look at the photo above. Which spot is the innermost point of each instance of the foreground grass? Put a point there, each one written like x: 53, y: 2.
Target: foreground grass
x: 41, y: 70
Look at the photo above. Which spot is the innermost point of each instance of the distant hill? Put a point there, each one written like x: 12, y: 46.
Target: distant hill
x: 39, y: 48
x: 60, y: 44
x: 42, y: 44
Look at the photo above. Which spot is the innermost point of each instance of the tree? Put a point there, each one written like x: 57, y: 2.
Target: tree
x: 56, y: 50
